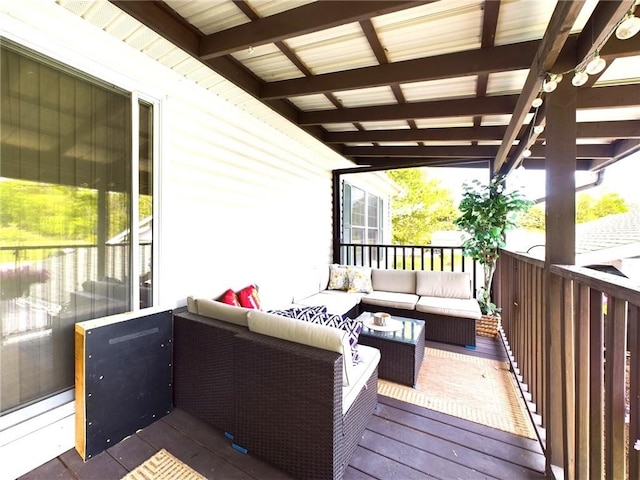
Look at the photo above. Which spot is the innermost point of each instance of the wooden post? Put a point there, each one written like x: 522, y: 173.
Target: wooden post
x: 560, y: 249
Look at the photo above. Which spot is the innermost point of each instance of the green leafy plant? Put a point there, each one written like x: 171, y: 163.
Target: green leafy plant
x: 487, y: 212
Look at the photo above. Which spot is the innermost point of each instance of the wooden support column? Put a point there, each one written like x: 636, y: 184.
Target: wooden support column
x: 560, y: 249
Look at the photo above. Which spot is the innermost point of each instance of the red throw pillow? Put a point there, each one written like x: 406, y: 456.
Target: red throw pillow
x: 249, y: 298
x: 230, y: 298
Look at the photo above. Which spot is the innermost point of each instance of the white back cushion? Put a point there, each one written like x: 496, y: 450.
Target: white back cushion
x: 400, y: 281
x: 443, y: 284
x: 221, y: 311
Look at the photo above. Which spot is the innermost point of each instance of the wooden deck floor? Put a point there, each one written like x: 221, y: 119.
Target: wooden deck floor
x: 402, y: 441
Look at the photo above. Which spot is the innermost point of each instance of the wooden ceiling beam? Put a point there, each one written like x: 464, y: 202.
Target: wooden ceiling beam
x: 613, y: 129
x: 467, y: 151
x: 624, y: 148
x: 541, y: 164
x: 609, y: 97
x: 408, y: 162
x: 433, y: 109
x: 620, y: 129
x: 603, y: 19
x: 309, y: 18
x: 164, y: 21
x: 418, y: 135
x: 602, y: 97
x: 555, y: 36
x: 472, y: 62
x: 616, y: 48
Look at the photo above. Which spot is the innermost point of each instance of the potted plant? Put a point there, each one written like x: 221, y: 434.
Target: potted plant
x: 487, y: 212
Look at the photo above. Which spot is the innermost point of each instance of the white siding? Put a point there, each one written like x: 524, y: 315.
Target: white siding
x: 241, y: 201
x: 244, y: 196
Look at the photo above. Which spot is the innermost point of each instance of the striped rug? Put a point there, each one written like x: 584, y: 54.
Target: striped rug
x: 163, y: 466
x: 476, y: 389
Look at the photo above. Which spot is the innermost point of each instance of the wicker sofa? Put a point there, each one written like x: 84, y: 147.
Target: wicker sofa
x: 287, y: 392
x: 444, y: 300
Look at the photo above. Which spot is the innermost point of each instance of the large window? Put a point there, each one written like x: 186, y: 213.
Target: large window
x: 71, y: 185
x: 362, y: 222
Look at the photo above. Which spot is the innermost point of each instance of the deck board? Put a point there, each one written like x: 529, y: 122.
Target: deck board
x: 401, y: 441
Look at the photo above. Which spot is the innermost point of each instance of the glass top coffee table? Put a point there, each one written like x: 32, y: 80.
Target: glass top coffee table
x: 401, y: 345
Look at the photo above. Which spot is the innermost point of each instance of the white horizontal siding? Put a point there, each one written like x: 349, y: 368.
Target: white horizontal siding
x: 241, y: 200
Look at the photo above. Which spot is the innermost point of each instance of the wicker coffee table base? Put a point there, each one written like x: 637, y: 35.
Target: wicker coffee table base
x: 399, y: 361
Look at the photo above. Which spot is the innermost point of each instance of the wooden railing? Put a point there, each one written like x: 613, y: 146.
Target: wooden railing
x: 409, y: 257
x: 575, y: 340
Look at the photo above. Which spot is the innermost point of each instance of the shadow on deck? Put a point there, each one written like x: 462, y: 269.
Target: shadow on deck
x: 402, y: 441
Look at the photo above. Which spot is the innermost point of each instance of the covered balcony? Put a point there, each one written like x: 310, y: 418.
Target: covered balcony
x: 236, y: 128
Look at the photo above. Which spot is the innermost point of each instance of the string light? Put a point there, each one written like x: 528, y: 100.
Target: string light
x: 593, y: 63
x: 628, y: 27
x: 579, y: 79
x: 596, y: 65
x: 550, y: 83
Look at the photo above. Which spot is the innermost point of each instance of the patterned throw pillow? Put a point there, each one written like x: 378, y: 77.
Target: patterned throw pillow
x: 319, y: 315
x: 338, y: 277
x: 359, y: 279
x: 230, y: 298
x: 249, y: 298
x: 301, y: 313
x: 352, y: 327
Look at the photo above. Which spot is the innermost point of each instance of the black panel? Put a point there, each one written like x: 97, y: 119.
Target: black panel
x: 128, y: 378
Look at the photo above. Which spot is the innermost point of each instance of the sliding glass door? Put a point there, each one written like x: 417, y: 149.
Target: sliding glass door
x: 76, y: 201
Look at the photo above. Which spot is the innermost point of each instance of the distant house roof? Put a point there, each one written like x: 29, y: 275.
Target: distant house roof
x: 609, y: 238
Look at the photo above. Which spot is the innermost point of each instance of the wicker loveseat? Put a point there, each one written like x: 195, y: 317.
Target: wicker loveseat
x: 300, y: 407
x: 444, y: 300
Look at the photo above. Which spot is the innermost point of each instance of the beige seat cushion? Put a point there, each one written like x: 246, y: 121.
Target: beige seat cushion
x: 369, y: 359
x: 336, y: 301
x: 405, y: 301
x: 451, y: 307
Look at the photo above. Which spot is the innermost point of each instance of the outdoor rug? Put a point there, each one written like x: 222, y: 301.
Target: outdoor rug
x: 476, y: 389
x: 163, y: 466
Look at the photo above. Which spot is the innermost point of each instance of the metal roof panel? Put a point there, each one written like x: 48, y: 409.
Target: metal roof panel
x: 334, y: 49
x: 433, y: 29
x: 459, y: 87
x: 209, y: 16
x: 310, y: 103
x: 366, y: 97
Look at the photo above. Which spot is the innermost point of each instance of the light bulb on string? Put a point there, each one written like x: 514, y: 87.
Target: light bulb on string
x: 551, y: 83
x: 526, y: 153
x: 596, y: 65
x: 536, y: 102
x: 579, y: 79
x: 538, y: 129
x: 628, y: 27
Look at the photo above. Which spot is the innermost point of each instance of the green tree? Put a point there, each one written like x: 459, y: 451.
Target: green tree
x: 533, y: 219
x: 589, y: 208
x: 422, y: 208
